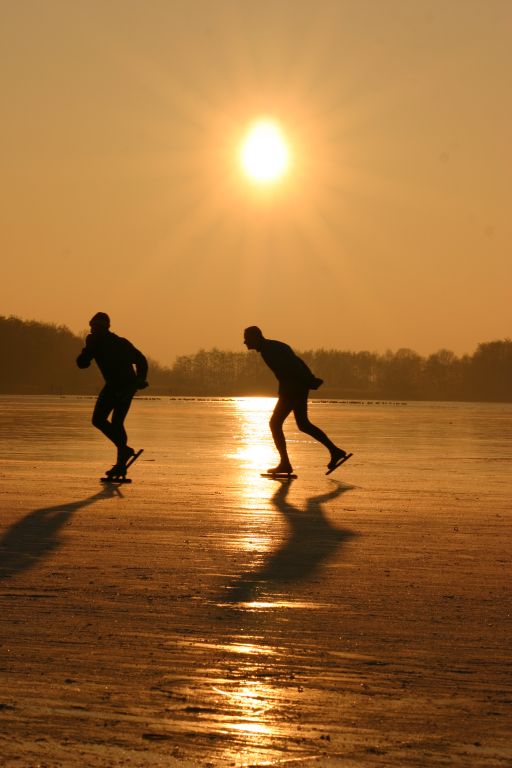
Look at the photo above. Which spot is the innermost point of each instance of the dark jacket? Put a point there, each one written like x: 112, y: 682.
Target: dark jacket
x: 293, y: 374
x: 116, y: 358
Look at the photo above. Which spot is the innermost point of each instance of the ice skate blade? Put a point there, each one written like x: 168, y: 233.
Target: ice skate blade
x: 339, y: 463
x: 115, y: 480
x: 133, y: 458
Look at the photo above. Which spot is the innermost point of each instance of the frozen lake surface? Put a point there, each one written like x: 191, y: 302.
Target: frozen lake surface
x: 435, y: 445
x: 205, y: 615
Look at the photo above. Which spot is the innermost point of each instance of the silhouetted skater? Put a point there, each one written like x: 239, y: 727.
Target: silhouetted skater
x: 295, y: 381
x: 124, y: 369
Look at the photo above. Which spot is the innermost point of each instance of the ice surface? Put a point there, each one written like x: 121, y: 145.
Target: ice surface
x: 206, y: 614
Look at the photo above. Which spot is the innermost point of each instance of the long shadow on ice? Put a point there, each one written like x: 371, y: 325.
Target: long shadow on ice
x: 38, y: 534
x: 312, y: 541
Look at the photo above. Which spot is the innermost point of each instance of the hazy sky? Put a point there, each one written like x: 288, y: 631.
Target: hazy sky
x: 121, y: 190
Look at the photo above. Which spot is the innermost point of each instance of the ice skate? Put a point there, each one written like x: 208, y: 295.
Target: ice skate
x: 118, y: 472
x: 337, y: 459
x: 283, y: 471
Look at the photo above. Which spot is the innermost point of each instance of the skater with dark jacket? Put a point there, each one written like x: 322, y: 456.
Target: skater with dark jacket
x: 124, y: 369
x: 295, y: 381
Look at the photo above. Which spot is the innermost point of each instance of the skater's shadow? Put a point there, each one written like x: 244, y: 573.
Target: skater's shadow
x: 312, y: 540
x: 38, y: 534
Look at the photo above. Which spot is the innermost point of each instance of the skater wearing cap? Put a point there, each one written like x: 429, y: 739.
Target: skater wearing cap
x: 124, y: 369
x: 295, y: 381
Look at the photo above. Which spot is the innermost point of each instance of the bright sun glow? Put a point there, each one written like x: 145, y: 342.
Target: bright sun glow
x: 264, y: 153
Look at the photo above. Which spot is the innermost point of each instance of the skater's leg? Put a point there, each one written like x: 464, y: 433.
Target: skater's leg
x: 102, y: 410
x: 111, y: 402
x: 300, y: 411
x: 120, y: 411
x: 281, y: 411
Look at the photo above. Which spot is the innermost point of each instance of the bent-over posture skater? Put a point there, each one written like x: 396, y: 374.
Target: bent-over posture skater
x: 124, y: 369
x: 295, y: 381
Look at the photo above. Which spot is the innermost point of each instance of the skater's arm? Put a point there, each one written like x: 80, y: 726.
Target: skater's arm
x: 141, y: 367
x: 87, y: 354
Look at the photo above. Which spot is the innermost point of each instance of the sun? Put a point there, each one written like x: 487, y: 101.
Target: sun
x: 264, y: 153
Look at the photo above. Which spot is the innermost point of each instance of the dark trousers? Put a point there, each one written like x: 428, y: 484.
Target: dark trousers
x: 112, y: 401
x: 298, y: 404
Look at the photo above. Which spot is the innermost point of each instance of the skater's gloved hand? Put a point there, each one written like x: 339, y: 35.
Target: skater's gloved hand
x: 316, y: 383
x: 141, y: 383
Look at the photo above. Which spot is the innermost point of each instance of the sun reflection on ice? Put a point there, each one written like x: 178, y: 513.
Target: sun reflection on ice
x: 252, y: 709
x: 256, y: 449
x: 249, y: 648
x: 254, y: 454
x: 248, y: 703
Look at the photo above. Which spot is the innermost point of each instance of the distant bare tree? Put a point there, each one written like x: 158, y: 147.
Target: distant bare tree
x: 39, y: 358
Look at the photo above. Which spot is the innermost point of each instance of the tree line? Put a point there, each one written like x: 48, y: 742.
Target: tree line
x: 39, y: 358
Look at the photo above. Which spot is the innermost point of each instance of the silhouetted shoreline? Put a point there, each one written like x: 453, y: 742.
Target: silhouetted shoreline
x: 40, y: 360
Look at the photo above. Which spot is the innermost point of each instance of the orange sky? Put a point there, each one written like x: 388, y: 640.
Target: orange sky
x: 120, y: 190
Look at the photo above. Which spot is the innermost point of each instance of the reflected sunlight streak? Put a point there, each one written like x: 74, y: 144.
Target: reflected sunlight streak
x: 256, y: 451
x: 251, y: 649
x: 257, y: 448
x: 251, y: 699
